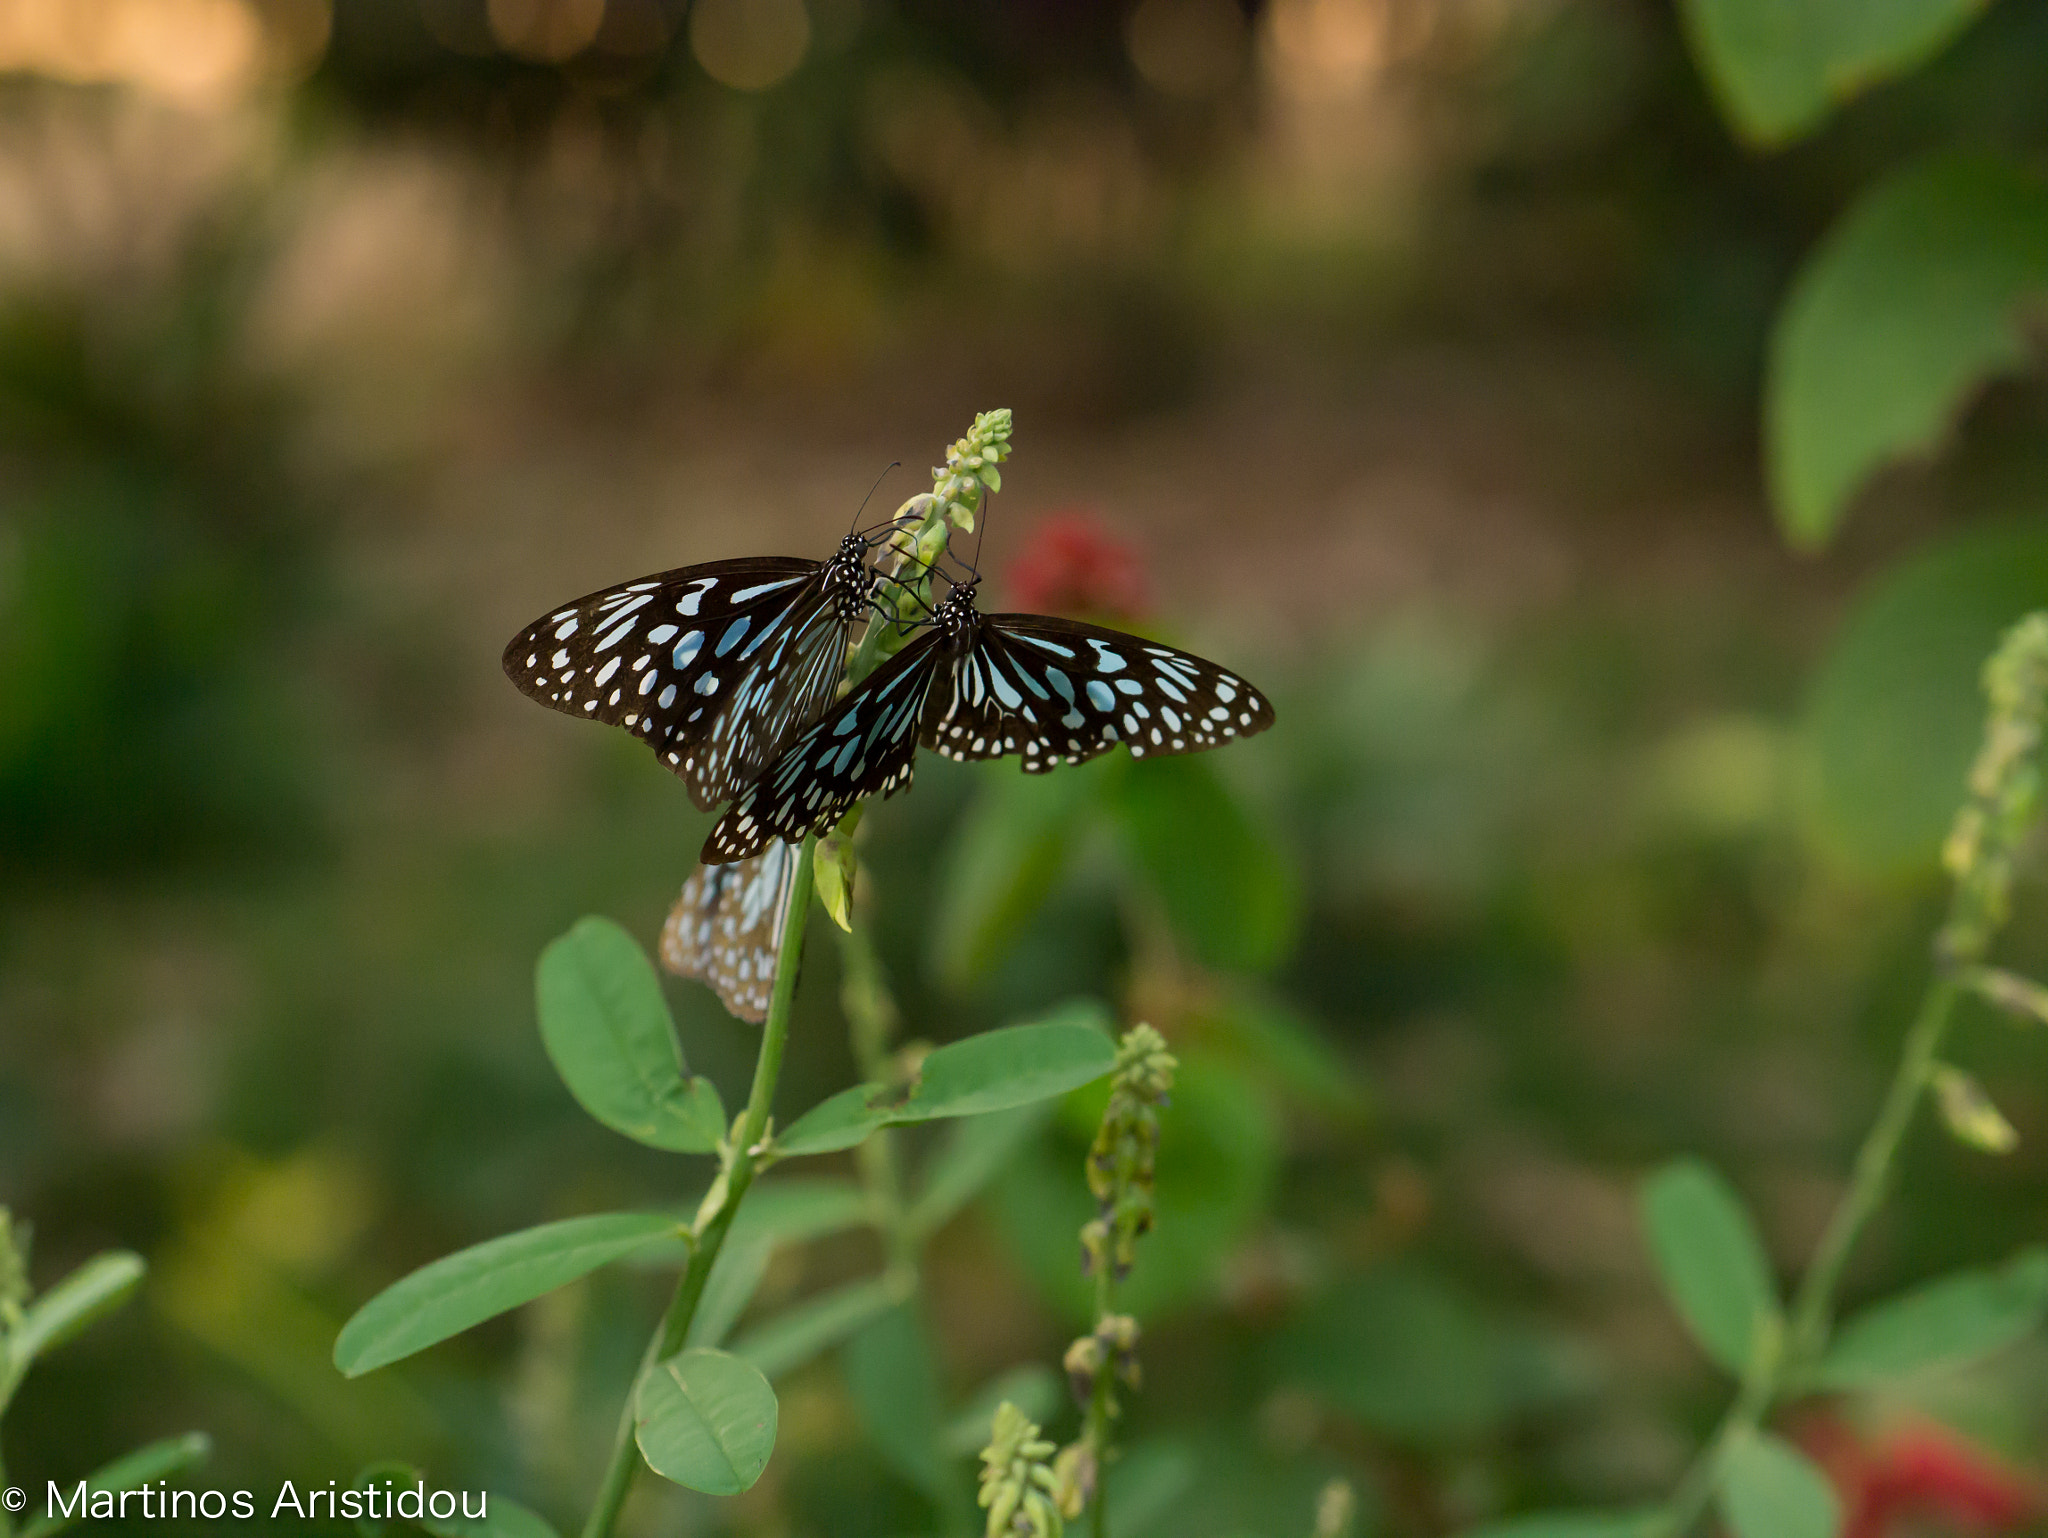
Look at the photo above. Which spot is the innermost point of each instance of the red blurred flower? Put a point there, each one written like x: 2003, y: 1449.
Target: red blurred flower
x: 1918, y: 1470
x: 1072, y: 565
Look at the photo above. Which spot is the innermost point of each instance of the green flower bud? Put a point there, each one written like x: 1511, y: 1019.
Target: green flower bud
x: 1018, y: 1484
x: 1969, y: 1113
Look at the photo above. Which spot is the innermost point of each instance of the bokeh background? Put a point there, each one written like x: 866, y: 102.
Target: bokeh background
x: 1404, y: 353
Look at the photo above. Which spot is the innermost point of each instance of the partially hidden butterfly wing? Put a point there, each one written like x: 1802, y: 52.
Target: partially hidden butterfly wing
x: 864, y: 745
x: 678, y: 658
x: 726, y: 929
x: 1060, y: 692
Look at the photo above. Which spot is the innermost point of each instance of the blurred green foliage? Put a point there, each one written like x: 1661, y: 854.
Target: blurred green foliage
x: 1621, y: 847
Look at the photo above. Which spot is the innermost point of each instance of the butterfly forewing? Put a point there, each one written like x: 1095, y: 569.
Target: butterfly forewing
x: 1060, y: 692
x: 726, y: 929
x: 713, y: 665
x: 865, y: 745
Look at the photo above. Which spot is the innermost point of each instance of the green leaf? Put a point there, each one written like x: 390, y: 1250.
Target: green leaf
x: 131, y: 1471
x: 1572, y: 1524
x: 1003, y: 858
x: 793, y: 1337
x: 775, y: 1213
x: 1778, y: 67
x: 1943, y: 1324
x: 470, y: 1286
x: 609, y: 1035
x: 91, y: 1292
x: 1912, y: 302
x: 1769, y: 1489
x: 1406, y: 1354
x: 1226, y: 888
x: 1219, y: 1159
x: 970, y: 1157
x: 995, y: 1071
x: 1711, y: 1260
x: 1895, y: 713
x: 706, y: 1420
x: 1033, y: 1388
x: 1144, y: 1484
x: 894, y: 1383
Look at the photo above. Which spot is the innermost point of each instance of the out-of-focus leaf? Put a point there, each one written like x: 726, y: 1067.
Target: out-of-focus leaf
x: 1909, y: 304
x: 894, y: 1383
x: 1778, y: 67
x: 1225, y: 886
x: 1895, y: 711
x: 1943, y: 1324
x: 995, y: 1071
x: 1572, y: 1524
x: 706, y: 1419
x: 1143, y: 1484
x: 608, y: 1032
x: 503, y: 1517
x: 799, y: 1333
x: 1218, y: 1161
x: 91, y: 1292
x: 1407, y: 1355
x: 971, y: 1156
x: 131, y: 1471
x: 470, y: 1286
x: 1033, y: 1388
x: 1769, y: 1489
x: 1711, y: 1260
x: 1003, y: 859
x: 775, y: 1213
x: 1288, y: 1047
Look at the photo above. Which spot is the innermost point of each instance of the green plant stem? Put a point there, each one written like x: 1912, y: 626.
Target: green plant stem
x: 737, y: 1176
x: 1784, y: 1371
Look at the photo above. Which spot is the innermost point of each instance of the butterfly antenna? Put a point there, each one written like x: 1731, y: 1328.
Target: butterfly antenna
x: 894, y: 464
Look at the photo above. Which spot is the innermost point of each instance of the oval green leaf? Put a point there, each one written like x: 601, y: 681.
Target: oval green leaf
x: 94, y: 1290
x: 1943, y: 1324
x: 800, y: 1333
x: 472, y: 1285
x: 1224, y: 884
x: 1895, y: 711
x: 1769, y: 1489
x: 995, y: 1071
x: 1711, y: 1260
x: 706, y: 1419
x: 1778, y: 69
x: 1911, y: 302
x: 608, y: 1032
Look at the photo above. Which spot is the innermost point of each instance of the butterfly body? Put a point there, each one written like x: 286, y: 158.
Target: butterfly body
x: 714, y: 666
x: 978, y: 686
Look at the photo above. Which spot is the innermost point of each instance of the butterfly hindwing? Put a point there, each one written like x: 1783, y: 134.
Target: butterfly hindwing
x: 726, y: 929
x: 713, y: 665
x: 1061, y: 692
x: 864, y: 745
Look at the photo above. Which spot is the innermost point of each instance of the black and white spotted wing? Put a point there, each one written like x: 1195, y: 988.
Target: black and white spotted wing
x: 983, y: 686
x: 715, y: 666
x: 726, y: 929
x: 1061, y: 692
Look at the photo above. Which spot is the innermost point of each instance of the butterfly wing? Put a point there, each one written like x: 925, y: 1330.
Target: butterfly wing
x: 726, y: 929
x: 1061, y: 692
x: 863, y: 746
x: 713, y: 665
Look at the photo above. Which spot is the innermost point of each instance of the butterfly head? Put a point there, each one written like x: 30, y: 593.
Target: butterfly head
x: 849, y: 578
x: 956, y: 618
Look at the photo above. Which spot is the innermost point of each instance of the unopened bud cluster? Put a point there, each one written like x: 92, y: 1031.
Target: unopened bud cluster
x: 1121, y: 1160
x: 2005, y: 791
x: 971, y: 465
x: 1018, y: 1486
